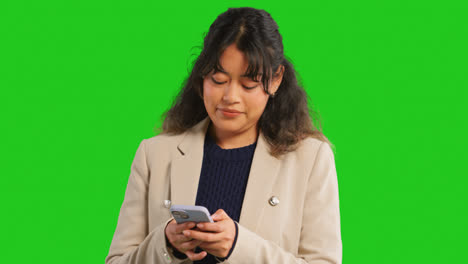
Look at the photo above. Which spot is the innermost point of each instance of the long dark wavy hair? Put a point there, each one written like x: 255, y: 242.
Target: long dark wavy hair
x: 287, y: 119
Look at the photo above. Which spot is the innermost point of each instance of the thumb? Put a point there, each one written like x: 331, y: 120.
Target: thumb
x: 219, y: 215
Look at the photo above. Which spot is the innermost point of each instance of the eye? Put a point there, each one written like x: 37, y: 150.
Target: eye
x: 249, y: 87
x: 250, y: 84
x: 213, y: 79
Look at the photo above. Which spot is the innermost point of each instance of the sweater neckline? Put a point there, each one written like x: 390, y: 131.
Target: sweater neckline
x: 214, y: 151
x: 210, y: 140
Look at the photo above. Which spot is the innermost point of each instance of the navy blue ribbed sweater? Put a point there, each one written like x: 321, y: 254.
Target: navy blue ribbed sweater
x: 222, y: 183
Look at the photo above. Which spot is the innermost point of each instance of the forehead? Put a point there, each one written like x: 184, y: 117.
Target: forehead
x: 234, y: 62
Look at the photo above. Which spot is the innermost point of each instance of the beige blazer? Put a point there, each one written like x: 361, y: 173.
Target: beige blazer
x: 303, y: 228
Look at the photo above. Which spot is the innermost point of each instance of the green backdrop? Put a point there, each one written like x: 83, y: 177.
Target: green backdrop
x: 83, y: 82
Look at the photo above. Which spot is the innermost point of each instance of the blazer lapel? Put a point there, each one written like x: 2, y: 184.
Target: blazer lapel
x: 186, y: 169
x: 263, y: 174
x: 186, y: 165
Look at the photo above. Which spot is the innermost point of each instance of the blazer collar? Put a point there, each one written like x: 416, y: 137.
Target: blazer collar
x: 186, y: 169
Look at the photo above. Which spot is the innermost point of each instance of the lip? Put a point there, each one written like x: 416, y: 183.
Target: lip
x: 229, y: 110
x: 226, y: 112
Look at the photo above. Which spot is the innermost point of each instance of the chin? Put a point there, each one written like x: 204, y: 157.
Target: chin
x: 227, y: 125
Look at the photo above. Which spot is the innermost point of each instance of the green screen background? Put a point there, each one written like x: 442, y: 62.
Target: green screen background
x: 83, y: 82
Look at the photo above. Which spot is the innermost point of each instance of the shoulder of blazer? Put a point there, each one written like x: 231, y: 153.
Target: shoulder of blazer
x: 176, y: 142
x: 310, y: 145
x: 307, y: 152
x: 164, y: 140
x: 307, y: 148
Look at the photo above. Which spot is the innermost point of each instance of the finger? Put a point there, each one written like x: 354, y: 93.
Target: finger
x: 208, y: 246
x: 176, y: 240
x: 219, y: 215
x: 194, y: 256
x: 190, y: 245
x: 180, y: 238
x: 181, y: 227
x: 215, y: 248
x: 203, y: 236
x: 211, y: 227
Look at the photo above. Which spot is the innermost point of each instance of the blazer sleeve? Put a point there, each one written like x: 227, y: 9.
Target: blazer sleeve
x: 320, y: 239
x: 132, y: 243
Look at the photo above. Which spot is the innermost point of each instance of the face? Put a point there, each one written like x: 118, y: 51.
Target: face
x: 233, y: 101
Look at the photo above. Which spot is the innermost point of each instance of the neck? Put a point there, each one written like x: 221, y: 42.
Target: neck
x: 228, y: 140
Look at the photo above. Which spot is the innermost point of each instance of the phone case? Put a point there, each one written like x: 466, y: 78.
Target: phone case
x: 190, y: 213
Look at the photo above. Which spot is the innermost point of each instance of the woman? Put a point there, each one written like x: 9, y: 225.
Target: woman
x: 238, y: 140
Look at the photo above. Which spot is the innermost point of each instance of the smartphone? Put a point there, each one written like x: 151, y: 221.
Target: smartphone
x: 190, y: 213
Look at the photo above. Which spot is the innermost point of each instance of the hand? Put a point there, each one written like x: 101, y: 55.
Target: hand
x: 180, y: 242
x: 217, y: 238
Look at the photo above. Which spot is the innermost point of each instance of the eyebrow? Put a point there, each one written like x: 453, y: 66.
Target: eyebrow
x: 225, y: 72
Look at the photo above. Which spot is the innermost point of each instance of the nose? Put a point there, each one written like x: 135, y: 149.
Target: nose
x: 231, y: 93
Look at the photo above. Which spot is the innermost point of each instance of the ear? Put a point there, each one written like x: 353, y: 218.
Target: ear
x: 277, y: 78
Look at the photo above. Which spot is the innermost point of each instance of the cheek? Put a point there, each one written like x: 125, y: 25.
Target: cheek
x: 209, y: 95
x: 257, y: 103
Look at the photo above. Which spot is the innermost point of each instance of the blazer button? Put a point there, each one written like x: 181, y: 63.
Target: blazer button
x: 167, y: 203
x: 274, y: 201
